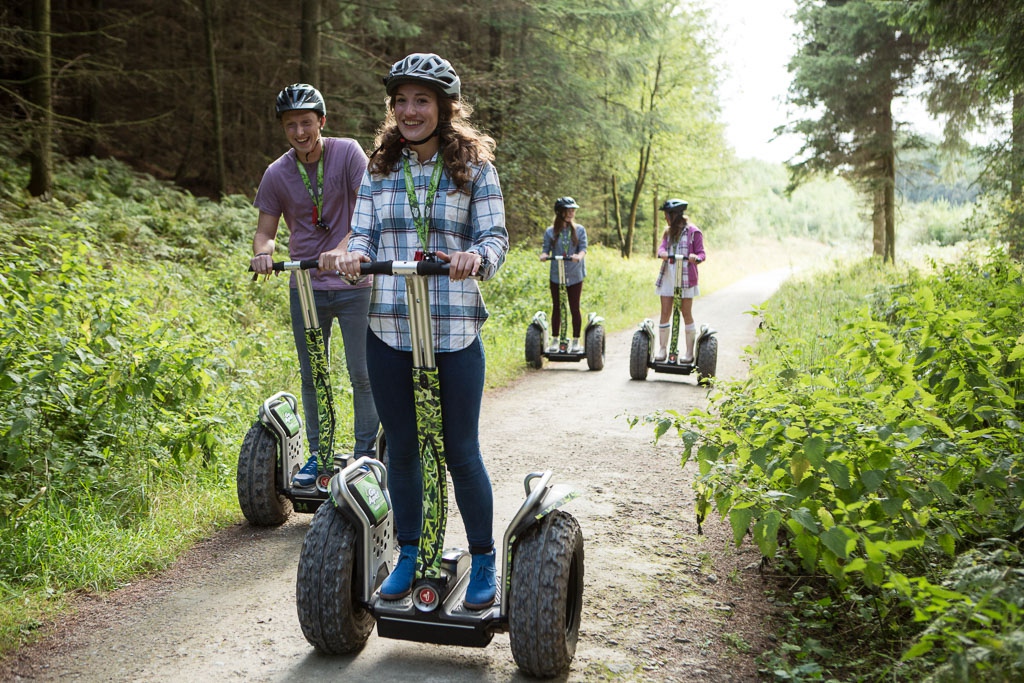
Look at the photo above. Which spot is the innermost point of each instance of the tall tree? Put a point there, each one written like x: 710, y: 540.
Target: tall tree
x: 979, y: 71
x: 853, y: 63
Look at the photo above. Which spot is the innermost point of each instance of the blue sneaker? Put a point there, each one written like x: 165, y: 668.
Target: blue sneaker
x: 306, y: 477
x: 482, y: 583
x: 399, y: 581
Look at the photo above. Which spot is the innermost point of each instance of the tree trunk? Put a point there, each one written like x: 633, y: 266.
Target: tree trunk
x: 1015, y: 228
x: 309, y: 64
x: 655, y: 237
x: 889, y: 200
x: 888, y: 160
x: 638, y: 188
x: 220, y: 172
x: 878, y: 221
x: 40, y: 152
x: 618, y: 215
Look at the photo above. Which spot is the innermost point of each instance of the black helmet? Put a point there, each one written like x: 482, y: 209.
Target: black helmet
x: 674, y: 205
x: 300, y: 97
x: 424, y: 67
x: 565, y: 203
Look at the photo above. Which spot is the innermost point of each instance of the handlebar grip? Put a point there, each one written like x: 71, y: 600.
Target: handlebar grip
x: 280, y: 266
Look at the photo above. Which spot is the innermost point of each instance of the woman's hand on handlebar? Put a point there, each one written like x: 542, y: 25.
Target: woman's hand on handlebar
x: 345, y: 262
x: 461, y: 264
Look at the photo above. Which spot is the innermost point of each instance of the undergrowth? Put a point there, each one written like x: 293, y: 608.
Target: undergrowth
x: 874, y: 454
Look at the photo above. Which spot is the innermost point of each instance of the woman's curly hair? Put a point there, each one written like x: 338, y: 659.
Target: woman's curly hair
x: 461, y: 143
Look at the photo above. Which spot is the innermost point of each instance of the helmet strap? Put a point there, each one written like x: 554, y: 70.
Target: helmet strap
x: 417, y: 142
x: 319, y: 143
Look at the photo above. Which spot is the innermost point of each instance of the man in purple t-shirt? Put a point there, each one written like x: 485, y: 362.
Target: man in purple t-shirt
x: 313, y: 186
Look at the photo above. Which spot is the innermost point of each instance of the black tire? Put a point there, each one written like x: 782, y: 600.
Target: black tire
x: 707, y: 360
x: 326, y: 590
x: 257, y: 479
x: 594, y: 343
x: 534, y: 346
x: 639, y: 353
x: 547, y: 596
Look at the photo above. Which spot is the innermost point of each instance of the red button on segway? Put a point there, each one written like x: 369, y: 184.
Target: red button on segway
x: 427, y: 596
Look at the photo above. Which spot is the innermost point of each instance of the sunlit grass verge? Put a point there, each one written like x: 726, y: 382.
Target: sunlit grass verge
x: 89, y: 547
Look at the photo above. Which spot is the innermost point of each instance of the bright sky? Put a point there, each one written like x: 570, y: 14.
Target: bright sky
x: 756, y: 42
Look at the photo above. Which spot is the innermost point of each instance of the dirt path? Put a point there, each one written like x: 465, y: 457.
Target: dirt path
x: 660, y: 602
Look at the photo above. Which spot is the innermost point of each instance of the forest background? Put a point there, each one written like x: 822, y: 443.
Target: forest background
x: 134, y: 135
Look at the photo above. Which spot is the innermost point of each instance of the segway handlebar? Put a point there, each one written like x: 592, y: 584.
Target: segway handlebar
x: 404, y: 268
x: 280, y: 266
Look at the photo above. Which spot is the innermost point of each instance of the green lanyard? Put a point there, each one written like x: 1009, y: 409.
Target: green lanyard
x: 318, y: 196
x: 422, y: 224
x: 566, y: 241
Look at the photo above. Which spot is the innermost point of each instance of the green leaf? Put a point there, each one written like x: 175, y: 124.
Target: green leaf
x: 798, y: 466
x: 872, y: 479
x: 814, y: 450
x: 948, y: 544
x: 941, y: 491
x: 807, y: 548
x: 739, y: 519
x: 807, y: 520
x: 838, y: 540
x: 921, y: 647
x: 806, y: 488
x: 838, y: 472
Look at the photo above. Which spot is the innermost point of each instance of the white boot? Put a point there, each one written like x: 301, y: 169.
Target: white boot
x: 691, y: 336
x: 663, y: 330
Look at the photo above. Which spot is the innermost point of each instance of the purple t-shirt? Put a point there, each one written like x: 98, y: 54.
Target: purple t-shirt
x: 283, y: 194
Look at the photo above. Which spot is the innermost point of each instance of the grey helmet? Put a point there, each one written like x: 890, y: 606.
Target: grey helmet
x: 674, y: 205
x: 424, y: 67
x: 300, y: 97
x: 565, y: 203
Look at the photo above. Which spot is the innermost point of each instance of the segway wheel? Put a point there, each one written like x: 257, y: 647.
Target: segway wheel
x: 534, y: 346
x: 595, y: 347
x: 547, y: 596
x: 639, y: 352
x: 326, y: 590
x: 257, y: 479
x: 707, y: 360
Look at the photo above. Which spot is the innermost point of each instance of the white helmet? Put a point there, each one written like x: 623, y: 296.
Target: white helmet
x: 424, y: 67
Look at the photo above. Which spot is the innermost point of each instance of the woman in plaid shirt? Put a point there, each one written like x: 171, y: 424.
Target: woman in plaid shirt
x: 430, y: 187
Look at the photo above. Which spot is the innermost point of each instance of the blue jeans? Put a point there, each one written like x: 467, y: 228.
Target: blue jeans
x: 350, y: 308
x: 461, y: 375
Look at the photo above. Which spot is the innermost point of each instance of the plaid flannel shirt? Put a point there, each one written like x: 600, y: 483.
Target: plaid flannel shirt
x: 383, y: 229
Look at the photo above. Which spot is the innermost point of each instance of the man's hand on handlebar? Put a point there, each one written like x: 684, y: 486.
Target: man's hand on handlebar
x: 262, y: 264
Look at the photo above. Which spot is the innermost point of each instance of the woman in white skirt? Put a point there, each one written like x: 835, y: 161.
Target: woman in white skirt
x: 685, y: 241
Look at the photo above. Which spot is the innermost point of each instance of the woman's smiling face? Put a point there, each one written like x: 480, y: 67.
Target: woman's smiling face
x: 416, y: 110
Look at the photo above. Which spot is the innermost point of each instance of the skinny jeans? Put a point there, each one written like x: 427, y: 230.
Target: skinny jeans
x: 573, y: 293
x: 461, y: 377
x: 350, y: 308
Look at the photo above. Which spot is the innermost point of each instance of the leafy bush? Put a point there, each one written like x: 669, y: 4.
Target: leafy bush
x: 886, y: 449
